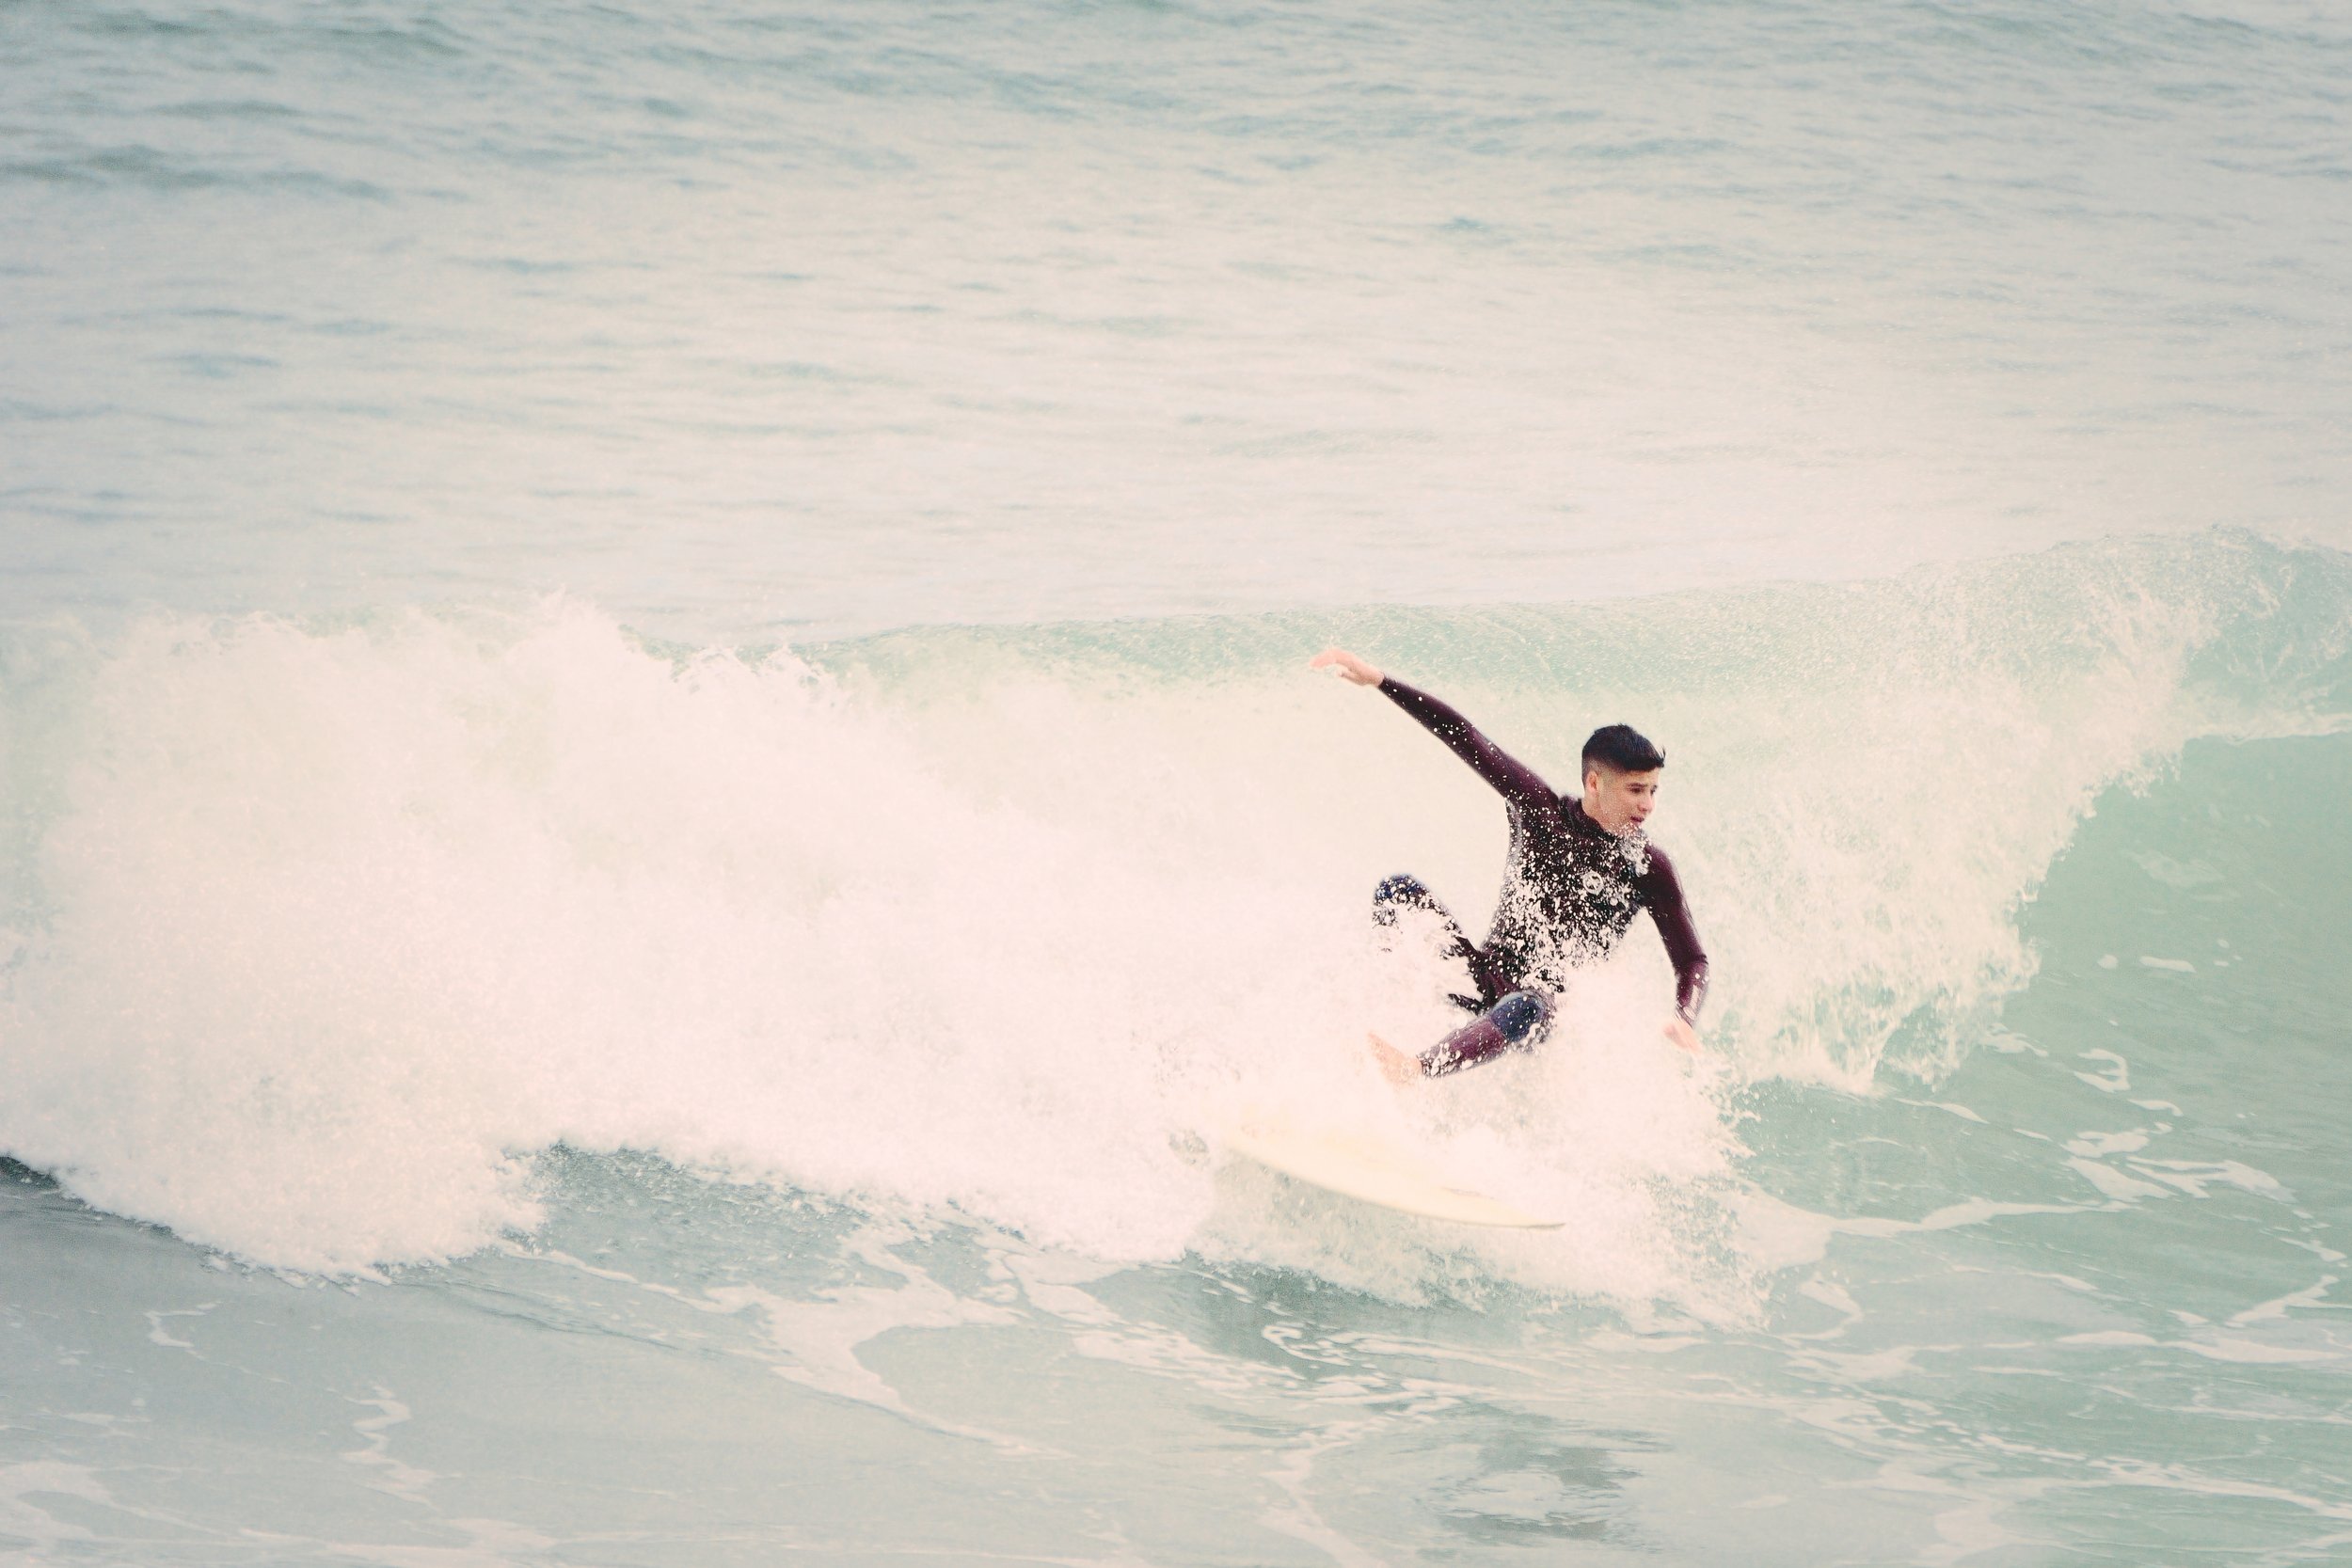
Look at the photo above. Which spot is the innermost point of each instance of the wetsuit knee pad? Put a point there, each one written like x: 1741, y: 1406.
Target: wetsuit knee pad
x: 1523, y: 1017
x: 1397, y: 890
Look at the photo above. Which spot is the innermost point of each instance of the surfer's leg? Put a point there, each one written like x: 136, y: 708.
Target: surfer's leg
x: 1408, y: 892
x: 1404, y: 892
x: 1517, y: 1023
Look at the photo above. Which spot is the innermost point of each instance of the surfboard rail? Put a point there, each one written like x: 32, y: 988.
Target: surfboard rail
x: 1369, y: 1168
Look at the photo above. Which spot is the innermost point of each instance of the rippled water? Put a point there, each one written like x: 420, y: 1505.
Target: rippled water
x: 830, y: 317
x: 658, y: 784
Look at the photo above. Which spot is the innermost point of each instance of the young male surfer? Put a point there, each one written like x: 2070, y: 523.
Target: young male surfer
x: 1579, y: 871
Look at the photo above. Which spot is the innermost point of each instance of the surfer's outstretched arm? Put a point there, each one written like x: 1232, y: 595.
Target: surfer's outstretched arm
x: 1512, y: 778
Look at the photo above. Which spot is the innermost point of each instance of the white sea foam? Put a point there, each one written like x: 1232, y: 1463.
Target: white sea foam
x: 328, y: 929
x: 340, y: 924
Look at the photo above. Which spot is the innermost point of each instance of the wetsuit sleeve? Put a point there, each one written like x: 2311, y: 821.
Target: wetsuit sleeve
x: 1516, y: 780
x: 1662, y: 892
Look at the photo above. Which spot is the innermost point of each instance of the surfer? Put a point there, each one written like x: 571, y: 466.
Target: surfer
x: 1579, y: 871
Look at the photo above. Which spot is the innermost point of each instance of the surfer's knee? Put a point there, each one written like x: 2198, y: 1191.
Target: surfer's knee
x: 1522, y: 1018
x: 1400, y: 892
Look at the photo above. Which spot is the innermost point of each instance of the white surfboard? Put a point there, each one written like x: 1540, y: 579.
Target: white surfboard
x: 1365, y: 1166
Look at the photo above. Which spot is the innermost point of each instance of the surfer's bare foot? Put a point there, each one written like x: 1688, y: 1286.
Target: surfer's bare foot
x: 1396, y: 1067
x: 1683, y: 1035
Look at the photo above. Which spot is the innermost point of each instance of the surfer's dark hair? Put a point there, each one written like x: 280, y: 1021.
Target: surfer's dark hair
x: 1622, y: 749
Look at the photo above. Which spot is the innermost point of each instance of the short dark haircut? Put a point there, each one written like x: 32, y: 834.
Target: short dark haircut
x: 1622, y: 749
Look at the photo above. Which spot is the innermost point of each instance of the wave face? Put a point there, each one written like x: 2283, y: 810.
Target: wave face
x: 326, y: 932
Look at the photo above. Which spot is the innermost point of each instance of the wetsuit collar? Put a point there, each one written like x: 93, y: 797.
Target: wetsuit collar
x: 1583, y: 824
x: 1579, y: 820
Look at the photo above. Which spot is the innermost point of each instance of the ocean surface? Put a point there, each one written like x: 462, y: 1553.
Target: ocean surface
x: 658, y: 784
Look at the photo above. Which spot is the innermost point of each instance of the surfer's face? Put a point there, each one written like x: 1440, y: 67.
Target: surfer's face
x: 1620, y: 801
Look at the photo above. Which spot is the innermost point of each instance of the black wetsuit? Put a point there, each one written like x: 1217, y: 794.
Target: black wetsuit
x: 1572, y: 889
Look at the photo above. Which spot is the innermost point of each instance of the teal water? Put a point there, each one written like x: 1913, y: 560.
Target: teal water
x: 659, y: 784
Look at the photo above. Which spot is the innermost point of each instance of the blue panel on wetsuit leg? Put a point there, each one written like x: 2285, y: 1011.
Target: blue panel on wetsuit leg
x: 1521, y: 1017
x: 1408, y: 891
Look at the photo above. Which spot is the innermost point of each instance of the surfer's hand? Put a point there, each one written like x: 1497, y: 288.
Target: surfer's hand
x: 1348, y: 664
x: 1682, y: 1034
